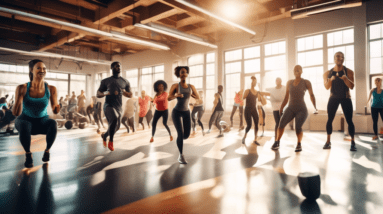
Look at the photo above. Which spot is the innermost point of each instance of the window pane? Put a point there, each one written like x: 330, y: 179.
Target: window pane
x: 210, y: 69
x: 4, y: 67
x: 233, y: 55
x: 62, y: 76
x: 375, y: 65
x: 146, y: 70
x: 275, y: 48
x: 209, y: 98
x: 252, y: 52
x: 275, y: 63
x: 196, y: 70
x: 315, y: 75
x: 301, y: 44
x: 197, y: 82
x: 348, y: 36
x: 158, y: 76
x: 147, y: 84
x: 12, y: 68
x: 318, y: 41
x: 20, y: 69
x: 196, y: 59
x: 338, y: 38
x: 210, y: 57
x: 233, y: 83
x: 309, y: 43
x: 159, y: 69
x: 269, y: 80
x: 77, y: 86
x: 376, y: 49
x: 77, y: 77
x: 133, y: 82
x: 210, y: 82
x: 282, y: 47
x: 252, y: 66
x: 233, y: 67
x: 375, y: 31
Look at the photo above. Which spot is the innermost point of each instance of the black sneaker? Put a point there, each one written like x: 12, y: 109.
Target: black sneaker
x: 327, y: 145
x: 298, y: 148
x: 275, y: 145
x: 46, y: 156
x: 28, y: 160
x: 256, y: 142
x: 353, y: 147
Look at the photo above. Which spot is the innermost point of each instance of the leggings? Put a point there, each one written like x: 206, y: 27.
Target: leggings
x: 277, y: 118
x: 183, y: 128
x: 332, y: 107
x: 375, y: 117
x: 89, y: 112
x: 97, y: 118
x: 251, y: 113
x: 148, y: 116
x: 240, y: 115
x: 113, y: 117
x: 199, y: 110
x: 263, y: 115
x: 300, y: 114
x: 157, y: 116
x: 215, y: 118
x: 128, y: 122
x: 28, y: 126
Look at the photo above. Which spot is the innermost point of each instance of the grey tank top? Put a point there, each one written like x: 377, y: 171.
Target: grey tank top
x: 183, y: 103
x: 297, y: 93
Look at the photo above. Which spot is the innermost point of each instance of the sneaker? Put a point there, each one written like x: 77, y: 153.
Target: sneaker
x: 256, y: 142
x: 243, y: 140
x: 151, y: 140
x: 327, y: 145
x: 275, y: 145
x: 46, y: 156
x: 353, y: 147
x: 110, y: 146
x: 181, y: 159
x: 298, y: 148
x: 208, y: 131
x: 241, y: 128
x: 28, y: 160
x: 203, y: 132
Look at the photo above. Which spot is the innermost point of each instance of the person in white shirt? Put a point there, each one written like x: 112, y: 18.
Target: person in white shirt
x: 129, y: 113
x: 277, y: 94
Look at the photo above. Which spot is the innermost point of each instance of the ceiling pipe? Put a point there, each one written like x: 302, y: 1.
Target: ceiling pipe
x: 322, y: 8
x: 87, y: 30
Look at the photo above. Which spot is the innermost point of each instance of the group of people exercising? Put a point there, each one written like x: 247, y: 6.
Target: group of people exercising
x: 32, y: 98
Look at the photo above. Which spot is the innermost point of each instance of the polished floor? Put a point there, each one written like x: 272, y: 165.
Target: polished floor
x: 222, y: 176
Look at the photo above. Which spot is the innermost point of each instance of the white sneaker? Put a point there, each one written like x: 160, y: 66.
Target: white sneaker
x: 181, y: 159
x: 208, y: 131
x: 203, y: 133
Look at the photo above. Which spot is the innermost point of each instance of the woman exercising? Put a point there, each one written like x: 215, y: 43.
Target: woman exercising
x: 129, y: 114
x: 297, y: 109
x: 31, y: 105
x: 97, y: 113
x: 238, y: 103
x: 198, y: 111
x: 182, y: 91
x: 143, y: 101
x: 376, y: 105
x: 161, y: 102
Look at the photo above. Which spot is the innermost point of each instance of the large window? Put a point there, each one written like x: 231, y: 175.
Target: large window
x: 316, y: 56
x: 132, y: 77
x: 148, y: 76
x: 375, y: 35
x: 77, y: 83
x: 210, y: 79
x: 265, y: 62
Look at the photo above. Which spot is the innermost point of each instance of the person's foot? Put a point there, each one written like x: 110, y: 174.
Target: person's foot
x: 203, y: 132
x: 181, y: 159
x: 353, y: 147
x: 151, y: 140
x: 28, y: 160
x: 243, y: 140
x: 46, y: 156
x: 171, y: 138
x: 298, y: 148
x: 374, y: 137
x: 275, y: 145
x: 103, y: 141
x: 98, y: 131
x: 263, y: 132
x: 327, y: 145
x: 231, y: 125
x: 256, y: 142
x: 241, y: 128
x: 110, y: 146
x: 208, y: 131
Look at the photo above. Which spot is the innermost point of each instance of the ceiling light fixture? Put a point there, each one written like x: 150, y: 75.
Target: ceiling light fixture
x: 175, y: 33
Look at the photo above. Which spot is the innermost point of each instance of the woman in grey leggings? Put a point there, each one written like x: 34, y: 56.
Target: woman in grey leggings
x: 295, y: 92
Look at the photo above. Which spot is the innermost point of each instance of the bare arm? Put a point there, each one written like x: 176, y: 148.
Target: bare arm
x: 246, y: 94
x: 312, y: 97
x: 215, y: 102
x: 327, y: 81
x: 287, y: 96
x: 101, y: 95
x: 172, y: 92
x: 369, y: 97
x: 261, y: 98
x: 54, y: 104
x: 264, y: 94
x: 349, y: 79
x: 194, y: 92
x: 20, y: 93
x: 127, y: 94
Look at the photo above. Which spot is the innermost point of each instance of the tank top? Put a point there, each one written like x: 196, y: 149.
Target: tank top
x: 339, y: 89
x: 219, y: 106
x: 183, y: 103
x: 297, y: 94
x: 161, y: 102
x: 377, y: 100
x: 251, y: 101
x: 36, y: 107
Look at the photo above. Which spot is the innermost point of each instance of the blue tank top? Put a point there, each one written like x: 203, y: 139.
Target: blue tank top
x: 36, y: 107
x: 377, y: 99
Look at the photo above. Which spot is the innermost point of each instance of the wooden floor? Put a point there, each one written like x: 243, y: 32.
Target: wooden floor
x: 222, y: 176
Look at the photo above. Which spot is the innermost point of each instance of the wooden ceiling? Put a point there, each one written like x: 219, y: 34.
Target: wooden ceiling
x: 121, y: 15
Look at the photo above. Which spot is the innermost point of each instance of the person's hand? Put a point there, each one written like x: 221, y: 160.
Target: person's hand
x: 332, y: 78
x: 344, y: 77
x: 106, y: 93
x: 179, y: 95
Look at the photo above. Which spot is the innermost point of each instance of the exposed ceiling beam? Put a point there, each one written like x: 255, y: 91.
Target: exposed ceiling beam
x: 189, y: 21
x: 81, y: 3
x: 17, y: 36
x: 272, y: 18
x: 60, y: 41
x: 24, y: 26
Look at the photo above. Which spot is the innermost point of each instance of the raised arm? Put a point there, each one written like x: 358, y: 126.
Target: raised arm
x: 369, y: 97
x: 287, y: 96
x: 54, y: 104
x: 349, y: 79
x: 310, y: 89
x: 20, y: 93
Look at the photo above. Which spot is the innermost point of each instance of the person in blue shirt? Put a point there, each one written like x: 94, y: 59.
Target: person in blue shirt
x: 376, y: 105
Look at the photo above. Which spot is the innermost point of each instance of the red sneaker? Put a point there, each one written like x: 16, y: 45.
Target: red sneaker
x: 110, y: 146
x: 104, y: 143
x: 171, y: 138
x: 151, y: 140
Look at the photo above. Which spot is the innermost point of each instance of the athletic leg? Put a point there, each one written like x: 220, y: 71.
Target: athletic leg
x: 300, y: 118
x: 149, y: 117
x: 212, y: 119
x: 124, y: 122
x: 277, y: 117
x: 165, y: 116
x: 24, y: 127
x: 193, y: 118
x: 157, y: 115
x: 199, y: 116
x: 218, y: 120
x: 375, y: 117
x: 131, y: 123
x: 186, y: 124
x: 241, y: 116
x: 332, y: 107
x: 348, y: 113
x: 140, y: 119
x: 248, y: 120
x: 176, y: 116
x: 232, y: 114
x: 112, y: 116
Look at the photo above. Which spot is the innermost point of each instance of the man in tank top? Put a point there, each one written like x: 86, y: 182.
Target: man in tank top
x: 218, y: 111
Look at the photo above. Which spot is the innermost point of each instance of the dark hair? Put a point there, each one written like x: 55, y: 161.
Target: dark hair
x: 339, y: 52
x: 113, y: 64
x: 220, y: 86
x: 159, y: 82
x: 177, y: 70
x: 32, y: 64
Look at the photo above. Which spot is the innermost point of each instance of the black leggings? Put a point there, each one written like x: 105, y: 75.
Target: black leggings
x: 128, y: 122
x: 332, y: 107
x: 375, y: 117
x: 183, y: 128
x: 28, y: 126
x: 97, y: 118
x: 148, y: 116
x: 113, y: 117
x: 251, y: 113
x: 240, y: 115
x: 277, y: 118
x: 157, y: 116
x: 199, y: 110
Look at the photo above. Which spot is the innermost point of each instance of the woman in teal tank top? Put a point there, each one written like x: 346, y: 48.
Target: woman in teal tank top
x: 31, y: 106
x: 376, y: 105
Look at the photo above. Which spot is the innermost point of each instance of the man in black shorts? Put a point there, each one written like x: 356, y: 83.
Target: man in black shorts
x: 113, y: 88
